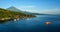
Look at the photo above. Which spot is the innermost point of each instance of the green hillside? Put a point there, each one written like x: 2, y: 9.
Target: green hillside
x: 7, y: 14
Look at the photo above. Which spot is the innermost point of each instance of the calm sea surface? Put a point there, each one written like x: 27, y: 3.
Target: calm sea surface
x: 36, y: 24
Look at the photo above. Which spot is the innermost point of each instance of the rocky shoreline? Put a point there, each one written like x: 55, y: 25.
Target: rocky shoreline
x: 16, y: 18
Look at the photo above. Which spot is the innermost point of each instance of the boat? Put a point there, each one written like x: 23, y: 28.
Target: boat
x: 18, y: 19
x: 15, y: 19
x: 47, y: 23
x: 27, y: 18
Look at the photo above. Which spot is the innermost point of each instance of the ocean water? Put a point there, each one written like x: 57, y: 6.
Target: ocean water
x: 36, y: 24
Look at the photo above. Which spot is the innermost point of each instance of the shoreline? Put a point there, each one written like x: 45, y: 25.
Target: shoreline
x: 9, y: 19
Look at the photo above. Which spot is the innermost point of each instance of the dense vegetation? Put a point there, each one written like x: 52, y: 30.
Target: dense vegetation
x: 12, y: 14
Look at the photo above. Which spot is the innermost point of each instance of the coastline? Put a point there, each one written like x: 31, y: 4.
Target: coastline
x: 17, y: 18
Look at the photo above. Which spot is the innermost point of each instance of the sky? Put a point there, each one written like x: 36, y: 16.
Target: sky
x: 35, y: 6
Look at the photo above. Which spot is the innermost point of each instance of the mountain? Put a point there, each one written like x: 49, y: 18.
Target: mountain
x: 18, y: 10
x: 12, y: 8
x: 4, y: 13
x: 9, y: 14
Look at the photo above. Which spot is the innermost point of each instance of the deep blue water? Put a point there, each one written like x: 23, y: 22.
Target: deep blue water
x: 36, y: 24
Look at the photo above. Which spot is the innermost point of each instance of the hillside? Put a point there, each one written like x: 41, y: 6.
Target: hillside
x: 12, y: 8
x: 7, y: 14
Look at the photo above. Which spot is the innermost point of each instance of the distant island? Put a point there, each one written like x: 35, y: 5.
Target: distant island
x: 6, y: 14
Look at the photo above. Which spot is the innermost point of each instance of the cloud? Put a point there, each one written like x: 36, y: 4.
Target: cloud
x: 30, y: 6
x: 34, y: 11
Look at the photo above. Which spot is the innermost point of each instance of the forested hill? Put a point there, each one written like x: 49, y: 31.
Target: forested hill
x: 12, y: 14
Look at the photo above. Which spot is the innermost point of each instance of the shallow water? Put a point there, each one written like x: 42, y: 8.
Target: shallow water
x: 36, y: 24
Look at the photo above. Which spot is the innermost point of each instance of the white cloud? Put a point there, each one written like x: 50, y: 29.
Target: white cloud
x: 30, y: 6
x: 34, y: 11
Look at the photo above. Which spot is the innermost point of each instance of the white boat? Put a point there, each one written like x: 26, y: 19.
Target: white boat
x: 15, y: 19
x: 27, y: 18
x: 18, y: 19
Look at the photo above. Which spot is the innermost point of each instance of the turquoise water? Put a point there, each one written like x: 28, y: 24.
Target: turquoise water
x: 36, y: 24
